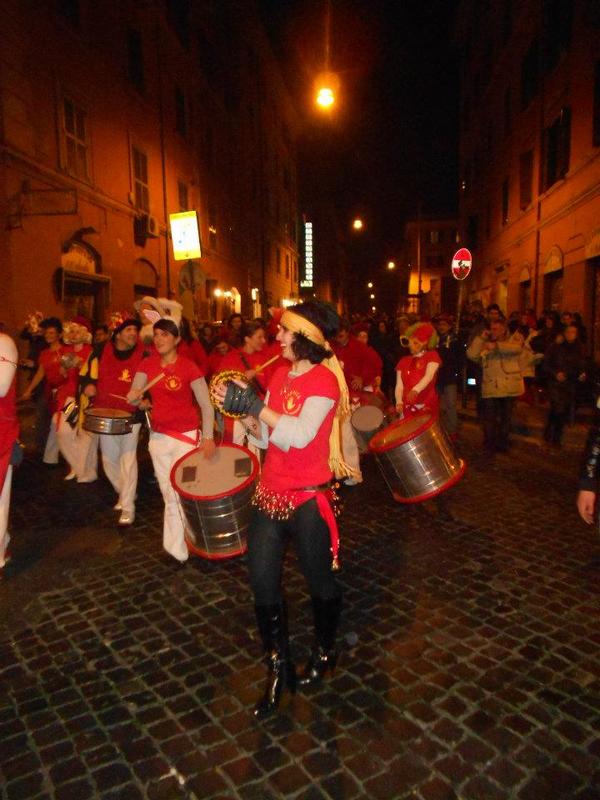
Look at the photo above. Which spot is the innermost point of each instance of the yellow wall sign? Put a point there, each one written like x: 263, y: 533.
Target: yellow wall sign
x: 185, y: 235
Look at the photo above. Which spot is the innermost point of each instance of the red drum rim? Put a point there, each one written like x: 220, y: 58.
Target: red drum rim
x: 429, y: 495
x: 378, y: 443
x: 197, y: 551
x: 220, y: 495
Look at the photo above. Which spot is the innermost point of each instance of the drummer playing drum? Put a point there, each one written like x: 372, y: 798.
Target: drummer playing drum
x: 416, y: 373
x: 106, y: 379
x: 176, y: 381
x: 298, y: 423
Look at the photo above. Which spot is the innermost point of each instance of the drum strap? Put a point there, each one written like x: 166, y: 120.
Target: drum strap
x: 182, y: 437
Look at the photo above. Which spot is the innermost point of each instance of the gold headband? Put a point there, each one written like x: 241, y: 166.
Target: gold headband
x: 296, y: 323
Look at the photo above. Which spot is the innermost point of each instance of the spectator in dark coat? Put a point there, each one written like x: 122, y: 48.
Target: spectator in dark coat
x: 564, y: 366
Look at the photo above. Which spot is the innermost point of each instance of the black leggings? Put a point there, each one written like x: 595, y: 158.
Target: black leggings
x: 267, y: 543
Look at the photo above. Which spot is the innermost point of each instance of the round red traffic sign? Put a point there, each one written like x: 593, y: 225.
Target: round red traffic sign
x: 461, y: 263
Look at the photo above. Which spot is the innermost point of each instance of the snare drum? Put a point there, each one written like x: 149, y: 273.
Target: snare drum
x: 416, y: 458
x: 216, y: 499
x: 366, y: 421
x: 112, y: 421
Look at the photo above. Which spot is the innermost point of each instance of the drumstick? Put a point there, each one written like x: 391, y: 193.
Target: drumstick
x: 118, y: 396
x: 153, y: 382
x: 266, y: 364
x: 149, y: 385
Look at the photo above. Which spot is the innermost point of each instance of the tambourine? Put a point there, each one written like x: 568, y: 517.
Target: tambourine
x: 226, y: 376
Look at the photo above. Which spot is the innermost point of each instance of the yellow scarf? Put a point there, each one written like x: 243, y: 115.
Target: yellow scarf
x: 299, y: 324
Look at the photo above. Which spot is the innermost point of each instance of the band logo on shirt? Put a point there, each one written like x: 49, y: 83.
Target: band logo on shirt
x: 173, y: 383
x: 291, y: 401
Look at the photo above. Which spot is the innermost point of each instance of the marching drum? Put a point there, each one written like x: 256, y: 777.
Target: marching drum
x: 112, y: 421
x: 366, y: 421
x: 215, y: 497
x: 416, y: 458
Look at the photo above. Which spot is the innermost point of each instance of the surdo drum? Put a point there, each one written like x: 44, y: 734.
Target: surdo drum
x: 366, y: 421
x: 215, y: 497
x: 111, y: 421
x: 416, y: 458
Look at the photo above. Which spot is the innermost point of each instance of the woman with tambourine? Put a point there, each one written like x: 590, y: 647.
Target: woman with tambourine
x: 298, y: 423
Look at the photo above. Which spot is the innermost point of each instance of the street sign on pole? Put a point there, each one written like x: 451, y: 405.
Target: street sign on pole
x: 461, y: 263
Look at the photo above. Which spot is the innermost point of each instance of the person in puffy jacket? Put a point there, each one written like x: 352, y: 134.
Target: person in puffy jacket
x: 499, y: 355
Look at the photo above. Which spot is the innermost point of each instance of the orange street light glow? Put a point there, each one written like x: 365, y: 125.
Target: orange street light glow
x: 369, y: 285
x: 391, y: 265
x: 325, y: 98
x: 357, y: 224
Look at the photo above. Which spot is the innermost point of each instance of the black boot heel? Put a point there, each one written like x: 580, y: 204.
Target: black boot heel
x: 272, y: 624
x: 324, y: 656
x: 282, y: 675
x: 319, y: 663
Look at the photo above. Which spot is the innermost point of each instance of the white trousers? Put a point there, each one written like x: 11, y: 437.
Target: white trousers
x: 164, y: 451
x: 79, y: 448
x: 119, y: 459
x: 51, y: 450
x: 350, y: 449
x: 4, y: 507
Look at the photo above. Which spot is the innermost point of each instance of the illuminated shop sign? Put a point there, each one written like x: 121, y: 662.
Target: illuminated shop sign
x: 307, y: 282
x: 185, y: 235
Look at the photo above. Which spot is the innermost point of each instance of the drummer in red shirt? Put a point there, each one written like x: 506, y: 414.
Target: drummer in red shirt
x: 174, y: 422
x: 416, y: 373
x: 49, y: 371
x: 360, y: 371
x: 246, y: 359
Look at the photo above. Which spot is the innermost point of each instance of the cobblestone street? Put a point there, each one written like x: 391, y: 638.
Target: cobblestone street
x: 469, y: 666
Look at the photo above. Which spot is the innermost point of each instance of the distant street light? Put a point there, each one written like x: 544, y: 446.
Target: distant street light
x: 391, y: 265
x: 372, y: 296
x: 357, y: 224
x: 369, y: 285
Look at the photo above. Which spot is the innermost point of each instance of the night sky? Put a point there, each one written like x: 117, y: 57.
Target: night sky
x: 393, y: 140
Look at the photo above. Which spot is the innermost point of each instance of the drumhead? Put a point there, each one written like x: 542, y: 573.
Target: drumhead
x: 111, y: 413
x: 400, y: 432
x: 367, y: 418
x: 230, y: 470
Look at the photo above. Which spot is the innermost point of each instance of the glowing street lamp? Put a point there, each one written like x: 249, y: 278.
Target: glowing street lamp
x: 372, y: 296
x: 326, y: 88
x: 391, y: 265
x: 357, y: 224
x: 369, y: 285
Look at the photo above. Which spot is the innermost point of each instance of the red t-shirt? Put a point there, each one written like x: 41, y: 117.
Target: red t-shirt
x: 356, y: 361
x: 412, y: 370
x: 115, y: 376
x: 195, y: 352
x: 235, y: 359
x: 306, y: 466
x: 173, y: 407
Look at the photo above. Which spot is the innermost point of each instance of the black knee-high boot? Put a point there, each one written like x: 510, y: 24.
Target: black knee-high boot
x: 272, y: 625
x: 324, y: 655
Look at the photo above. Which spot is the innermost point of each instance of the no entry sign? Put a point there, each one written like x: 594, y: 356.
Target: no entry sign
x: 461, y: 263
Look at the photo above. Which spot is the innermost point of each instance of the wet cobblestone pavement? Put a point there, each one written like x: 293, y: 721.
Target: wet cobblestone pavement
x: 469, y: 667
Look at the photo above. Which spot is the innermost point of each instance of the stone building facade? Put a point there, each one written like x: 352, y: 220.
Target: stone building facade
x: 114, y: 115
x: 530, y: 154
